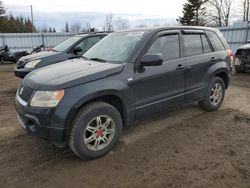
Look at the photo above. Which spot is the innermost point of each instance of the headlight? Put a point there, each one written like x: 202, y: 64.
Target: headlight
x: 46, y: 98
x: 32, y: 64
x: 237, y: 61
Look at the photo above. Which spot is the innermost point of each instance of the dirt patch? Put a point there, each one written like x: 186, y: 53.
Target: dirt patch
x: 185, y: 148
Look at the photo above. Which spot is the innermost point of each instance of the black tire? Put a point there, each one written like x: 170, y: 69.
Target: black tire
x: 207, y: 104
x: 239, y: 70
x: 81, y: 121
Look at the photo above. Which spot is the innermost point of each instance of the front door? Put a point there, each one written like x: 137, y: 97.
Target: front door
x: 160, y: 88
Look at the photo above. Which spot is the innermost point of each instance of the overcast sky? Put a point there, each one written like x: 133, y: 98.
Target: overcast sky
x: 156, y: 8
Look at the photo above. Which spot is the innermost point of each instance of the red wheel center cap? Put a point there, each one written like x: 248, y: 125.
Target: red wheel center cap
x: 99, y: 132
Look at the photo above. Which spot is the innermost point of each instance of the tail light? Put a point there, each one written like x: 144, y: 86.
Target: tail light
x: 230, y: 54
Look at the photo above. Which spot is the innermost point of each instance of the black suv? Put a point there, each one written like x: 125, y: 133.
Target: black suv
x: 73, y: 47
x: 127, y: 76
x: 242, y: 59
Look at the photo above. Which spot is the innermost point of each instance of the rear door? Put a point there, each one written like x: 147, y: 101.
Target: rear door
x: 198, y: 54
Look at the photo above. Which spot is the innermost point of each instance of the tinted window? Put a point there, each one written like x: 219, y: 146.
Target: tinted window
x: 216, y: 42
x: 88, y: 43
x: 192, y: 44
x: 206, y: 46
x: 66, y: 44
x: 168, y: 46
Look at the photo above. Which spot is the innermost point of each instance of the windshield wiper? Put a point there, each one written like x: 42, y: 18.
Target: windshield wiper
x: 98, y: 59
x: 84, y: 57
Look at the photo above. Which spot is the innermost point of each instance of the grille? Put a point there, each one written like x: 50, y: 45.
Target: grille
x: 25, y: 92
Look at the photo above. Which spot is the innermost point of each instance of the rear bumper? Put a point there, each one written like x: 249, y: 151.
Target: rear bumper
x: 44, y: 123
x: 21, y: 73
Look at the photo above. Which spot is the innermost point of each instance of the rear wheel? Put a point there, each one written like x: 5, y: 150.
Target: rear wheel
x: 214, y: 96
x: 1, y: 60
x: 95, y: 130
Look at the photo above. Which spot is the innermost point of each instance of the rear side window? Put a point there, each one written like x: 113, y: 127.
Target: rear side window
x: 206, y: 46
x: 216, y: 42
x: 192, y: 44
x: 167, y: 45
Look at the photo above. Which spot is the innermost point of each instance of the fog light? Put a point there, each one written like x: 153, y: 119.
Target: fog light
x: 31, y: 126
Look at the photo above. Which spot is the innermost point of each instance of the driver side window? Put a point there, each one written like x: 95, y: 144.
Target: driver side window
x: 87, y: 43
x: 167, y: 45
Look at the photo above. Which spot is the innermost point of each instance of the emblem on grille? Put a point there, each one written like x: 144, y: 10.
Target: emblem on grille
x: 21, y: 91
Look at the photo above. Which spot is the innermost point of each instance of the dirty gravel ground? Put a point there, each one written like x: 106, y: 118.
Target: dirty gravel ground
x: 185, y: 148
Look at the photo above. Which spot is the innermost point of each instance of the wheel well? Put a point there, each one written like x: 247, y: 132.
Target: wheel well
x: 224, y: 77
x: 112, y: 100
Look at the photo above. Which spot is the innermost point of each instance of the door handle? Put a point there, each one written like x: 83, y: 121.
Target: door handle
x: 180, y: 67
x: 214, y: 59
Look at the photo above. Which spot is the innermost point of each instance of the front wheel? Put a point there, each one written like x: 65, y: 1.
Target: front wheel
x: 214, y: 95
x: 239, y: 70
x: 95, y: 130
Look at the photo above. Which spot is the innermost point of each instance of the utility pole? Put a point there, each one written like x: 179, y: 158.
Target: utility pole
x: 32, y: 20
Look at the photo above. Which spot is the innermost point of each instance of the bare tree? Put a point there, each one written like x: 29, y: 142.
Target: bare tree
x: 219, y: 12
x: 75, y: 28
x: 108, y: 24
x: 245, y: 12
x: 88, y: 26
x: 121, y: 23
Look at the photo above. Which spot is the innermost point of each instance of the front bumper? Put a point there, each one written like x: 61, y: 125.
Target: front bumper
x: 46, y: 123
x: 21, y: 73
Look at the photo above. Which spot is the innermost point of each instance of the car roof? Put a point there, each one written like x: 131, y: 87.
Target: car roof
x: 157, y: 29
x: 93, y: 33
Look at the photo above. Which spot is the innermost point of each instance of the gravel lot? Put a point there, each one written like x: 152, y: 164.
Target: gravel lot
x: 185, y: 148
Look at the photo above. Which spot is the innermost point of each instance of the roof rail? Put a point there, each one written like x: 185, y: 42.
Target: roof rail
x: 94, y: 32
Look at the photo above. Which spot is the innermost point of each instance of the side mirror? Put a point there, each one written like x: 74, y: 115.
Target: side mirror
x: 151, y: 60
x: 248, y: 41
x: 77, y: 49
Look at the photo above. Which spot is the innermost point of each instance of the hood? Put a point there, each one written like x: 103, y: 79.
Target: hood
x: 70, y: 73
x: 40, y: 55
x: 245, y: 46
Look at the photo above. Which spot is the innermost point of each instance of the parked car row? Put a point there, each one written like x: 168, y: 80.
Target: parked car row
x: 71, y: 48
x: 125, y: 77
x: 242, y: 60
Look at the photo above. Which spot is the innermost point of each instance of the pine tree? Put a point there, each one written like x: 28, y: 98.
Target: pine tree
x: 66, y: 27
x: 193, y: 13
x: 2, y: 9
x: 54, y: 30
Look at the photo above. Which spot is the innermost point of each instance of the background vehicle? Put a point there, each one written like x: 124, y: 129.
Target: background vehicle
x: 37, y: 49
x: 73, y: 47
x: 242, y: 59
x: 7, y: 55
x: 127, y: 76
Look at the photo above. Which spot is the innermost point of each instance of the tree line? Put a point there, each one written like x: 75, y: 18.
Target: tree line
x: 214, y: 13
x: 11, y: 24
x: 110, y: 24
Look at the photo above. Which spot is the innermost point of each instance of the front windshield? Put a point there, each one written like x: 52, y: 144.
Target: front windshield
x: 66, y: 44
x: 116, y: 47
